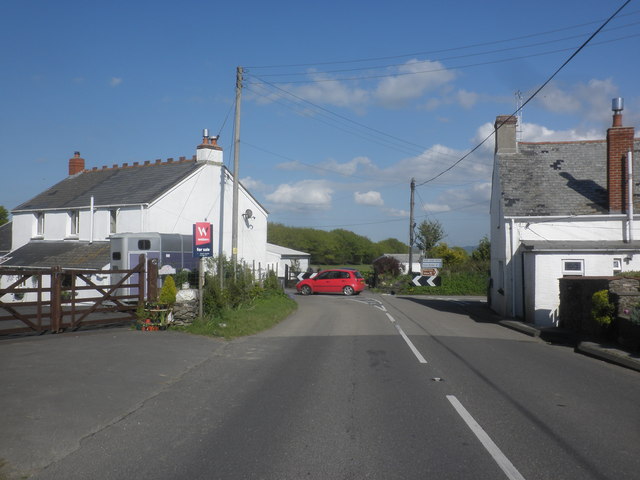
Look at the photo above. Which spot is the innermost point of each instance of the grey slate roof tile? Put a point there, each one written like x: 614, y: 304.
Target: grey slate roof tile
x: 132, y: 185
x: 557, y: 179
x: 65, y: 254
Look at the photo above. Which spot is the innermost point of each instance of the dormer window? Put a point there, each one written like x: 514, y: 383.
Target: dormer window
x: 40, y: 224
x: 74, y: 223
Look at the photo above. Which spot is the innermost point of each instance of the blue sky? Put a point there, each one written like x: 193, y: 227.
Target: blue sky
x: 343, y: 102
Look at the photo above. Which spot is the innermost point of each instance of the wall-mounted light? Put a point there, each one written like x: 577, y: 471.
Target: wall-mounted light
x: 248, y: 215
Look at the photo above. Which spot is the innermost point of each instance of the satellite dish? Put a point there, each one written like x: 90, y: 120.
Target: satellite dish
x: 248, y: 213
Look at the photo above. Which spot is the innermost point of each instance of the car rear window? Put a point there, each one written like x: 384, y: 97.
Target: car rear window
x: 357, y: 274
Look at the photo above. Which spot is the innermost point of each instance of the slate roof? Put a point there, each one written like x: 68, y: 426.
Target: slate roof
x: 65, y: 254
x: 558, y: 179
x: 126, y: 185
x: 598, y: 246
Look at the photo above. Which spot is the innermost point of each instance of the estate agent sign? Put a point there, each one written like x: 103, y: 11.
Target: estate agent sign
x: 202, y: 240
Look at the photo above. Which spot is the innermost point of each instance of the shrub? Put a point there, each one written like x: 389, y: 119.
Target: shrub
x: 388, y: 265
x: 168, y: 291
x: 602, y: 309
x: 271, y: 283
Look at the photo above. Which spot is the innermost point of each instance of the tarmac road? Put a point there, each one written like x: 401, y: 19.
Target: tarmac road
x: 335, y: 391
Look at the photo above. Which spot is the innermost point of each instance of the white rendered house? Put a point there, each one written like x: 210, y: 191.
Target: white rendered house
x: 560, y: 209
x: 91, y: 205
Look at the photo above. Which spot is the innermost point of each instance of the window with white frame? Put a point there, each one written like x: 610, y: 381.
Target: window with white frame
x: 40, y: 224
x: 573, y: 267
x: 74, y: 223
x: 113, y: 224
x: 617, y: 265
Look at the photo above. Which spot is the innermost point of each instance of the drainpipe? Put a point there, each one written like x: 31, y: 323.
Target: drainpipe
x: 630, y: 195
x: 91, y: 220
x: 513, y: 270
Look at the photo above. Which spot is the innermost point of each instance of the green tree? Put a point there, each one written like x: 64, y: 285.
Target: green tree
x: 4, y: 215
x: 450, y: 256
x: 391, y: 245
x: 428, y: 235
x: 483, y: 252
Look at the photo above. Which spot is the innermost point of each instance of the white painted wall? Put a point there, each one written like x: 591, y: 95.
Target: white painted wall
x: 205, y: 196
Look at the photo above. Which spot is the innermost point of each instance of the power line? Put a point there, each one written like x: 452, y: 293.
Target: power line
x: 441, y: 69
x: 391, y: 140
x: 530, y: 97
x: 467, y: 55
x: 430, y: 52
x: 334, y: 120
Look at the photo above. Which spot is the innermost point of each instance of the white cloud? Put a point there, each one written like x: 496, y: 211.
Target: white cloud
x: 592, y: 100
x: 467, y: 99
x: 394, y: 212
x: 532, y: 132
x: 435, y: 207
x: 252, y: 184
x: 293, y: 165
x: 347, y: 168
x: 414, y: 79
x: 473, y: 196
x: 328, y: 91
x: 303, y: 195
x: 436, y: 159
x: 368, y: 198
x: 115, y: 81
x: 556, y: 100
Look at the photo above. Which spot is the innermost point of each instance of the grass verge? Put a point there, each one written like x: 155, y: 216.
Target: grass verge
x: 262, y: 314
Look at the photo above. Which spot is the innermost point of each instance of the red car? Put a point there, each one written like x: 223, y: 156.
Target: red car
x: 339, y: 280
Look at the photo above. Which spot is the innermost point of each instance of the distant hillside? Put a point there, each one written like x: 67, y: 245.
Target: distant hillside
x: 336, y: 247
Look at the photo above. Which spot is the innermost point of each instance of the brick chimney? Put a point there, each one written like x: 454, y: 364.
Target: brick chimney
x: 505, y: 128
x: 209, y: 150
x: 619, y: 143
x: 76, y: 164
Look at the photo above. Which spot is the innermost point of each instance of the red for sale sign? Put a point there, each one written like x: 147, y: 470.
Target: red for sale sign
x: 202, y: 240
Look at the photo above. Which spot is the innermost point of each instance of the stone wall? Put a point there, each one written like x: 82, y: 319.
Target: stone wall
x: 575, y: 300
x: 625, y: 292
x: 185, y: 310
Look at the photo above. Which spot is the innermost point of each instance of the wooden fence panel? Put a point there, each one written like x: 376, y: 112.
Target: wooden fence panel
x: 57, y: 307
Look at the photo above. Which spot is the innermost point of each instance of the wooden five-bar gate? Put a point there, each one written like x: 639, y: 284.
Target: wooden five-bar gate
x: 53, y: 302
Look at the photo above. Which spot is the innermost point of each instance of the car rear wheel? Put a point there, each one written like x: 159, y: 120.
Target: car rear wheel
x: 348, y: 290
x: 305, y: 290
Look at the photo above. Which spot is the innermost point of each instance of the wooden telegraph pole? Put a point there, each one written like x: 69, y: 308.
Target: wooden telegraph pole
x: 236, y: 168
x: 411, y: 226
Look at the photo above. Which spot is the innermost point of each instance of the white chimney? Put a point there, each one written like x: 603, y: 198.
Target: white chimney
x: 209, y: 150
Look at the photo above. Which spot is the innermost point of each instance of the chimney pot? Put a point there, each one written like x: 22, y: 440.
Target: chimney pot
x: 617, y: 105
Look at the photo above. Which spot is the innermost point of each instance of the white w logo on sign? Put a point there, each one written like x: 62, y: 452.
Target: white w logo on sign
x: 202, y: 231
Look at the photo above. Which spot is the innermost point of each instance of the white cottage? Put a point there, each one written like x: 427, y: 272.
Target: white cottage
x: 560, y: 209
x: 90, y: 206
